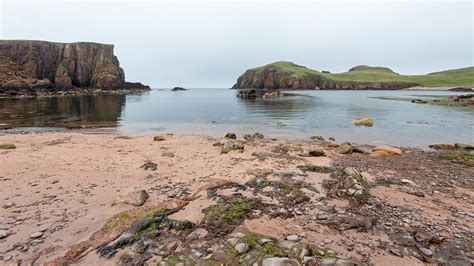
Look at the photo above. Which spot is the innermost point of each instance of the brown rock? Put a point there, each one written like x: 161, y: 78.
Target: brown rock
x: 135, y: 198
x: 344, y: 149
x: 442, y: 146
x: 159, y: 138
x: 389, y: 150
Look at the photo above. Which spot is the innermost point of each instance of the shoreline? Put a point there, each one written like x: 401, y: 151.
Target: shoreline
x: 66, y: 186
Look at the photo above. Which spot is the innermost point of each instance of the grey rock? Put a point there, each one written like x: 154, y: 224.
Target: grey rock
x: 241, y: 248
x: 4, y: 233
x: 135, y: 198
x: 316, y: 153
x: 279, y: 262
x: 426, y: 252
x: 7, y: 205
x: 36, y: 235
x: 292, y: 238
x: 321, y: 216
x: 263, y: 241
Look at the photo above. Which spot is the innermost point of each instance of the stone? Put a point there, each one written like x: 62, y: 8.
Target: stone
x: 36, y: 235
x: 178, y: 89
x: 241, y: 248
x: 4, y: 233
x: 316, y: 153
x: 389, y: 150
x: 344, y: 149
x: 327, y: 241
x: 263, y: 241
x: 407, y: 181
x: 233, y: 241
x: 7, y: 146
x: 379, y: 154
x: 230, y: 136
x: 319, y: 138
x: 321, y: 216
x: 361, y: 149
x: 7, y: 205
x: 280, y: 262
x: 464, y: 146
x: 293, y: 238
x: 159, y: 138
x: 425, y: 251
x: 135, y: 198
x: 232, y: 145
x: 368, y: 122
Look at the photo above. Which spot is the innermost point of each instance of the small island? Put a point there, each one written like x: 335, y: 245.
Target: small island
x: 178, y: 89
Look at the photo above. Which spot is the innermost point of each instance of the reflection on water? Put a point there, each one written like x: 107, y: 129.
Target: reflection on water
x: 214, y: 112
x: 71, y: 111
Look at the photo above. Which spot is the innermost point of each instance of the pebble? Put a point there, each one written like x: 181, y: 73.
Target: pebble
x: 36, y: 235
x: 241, y: 248
x: 263, y: 241
x: 321, y: 216
x: 327, y: 241
x: 426, y: 252
x: 7, y: 205
x: 292, y: 238
x: 407, y: 181
x: 3, y: 233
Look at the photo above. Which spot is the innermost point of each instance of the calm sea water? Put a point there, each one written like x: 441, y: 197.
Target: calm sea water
x: 216, y: 111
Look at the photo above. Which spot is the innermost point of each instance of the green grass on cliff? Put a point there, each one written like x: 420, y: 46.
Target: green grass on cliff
x: 367, y: 74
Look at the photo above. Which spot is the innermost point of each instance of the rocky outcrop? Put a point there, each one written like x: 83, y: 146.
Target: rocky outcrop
x: 287, y: 75
x: 29, y: 66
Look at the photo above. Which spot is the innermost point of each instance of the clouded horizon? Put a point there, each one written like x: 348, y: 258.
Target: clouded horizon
x: 209, y: 44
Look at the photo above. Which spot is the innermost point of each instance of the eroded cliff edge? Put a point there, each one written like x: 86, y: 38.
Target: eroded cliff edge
x: 28, y: 67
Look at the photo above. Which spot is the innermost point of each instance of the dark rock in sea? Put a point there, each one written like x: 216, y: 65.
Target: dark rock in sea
x: 462, y: 89
x: 247, y: 94
x: 418, y: 101
x: 30, y: 67
x: 178, y: 89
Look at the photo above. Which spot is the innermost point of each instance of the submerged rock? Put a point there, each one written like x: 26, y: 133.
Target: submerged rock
x: 368, y: 122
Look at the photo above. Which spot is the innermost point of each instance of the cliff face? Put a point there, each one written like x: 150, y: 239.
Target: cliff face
x: 286, y: 75
x: 46, y: 65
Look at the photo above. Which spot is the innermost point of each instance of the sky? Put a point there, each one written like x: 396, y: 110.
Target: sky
x: 208, y: 44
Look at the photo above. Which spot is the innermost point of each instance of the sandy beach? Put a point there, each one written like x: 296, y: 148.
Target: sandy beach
x: 59, y: 189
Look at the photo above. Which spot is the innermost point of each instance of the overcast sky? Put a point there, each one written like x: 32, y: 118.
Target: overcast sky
x: 209, y: 44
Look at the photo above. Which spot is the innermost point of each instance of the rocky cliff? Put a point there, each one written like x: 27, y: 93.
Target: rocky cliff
x: 35, y: 65
x: 287, y: 75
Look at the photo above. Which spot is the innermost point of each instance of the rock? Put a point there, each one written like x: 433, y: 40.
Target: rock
x: 389, y: 150
x: 178, y: 89
x: 327, y: 241
x: 321, y: 216
x: 7, y: 146
x: 233, y: 241
x: 464, y: 146
x: 379, y: 154
x: 425, y: 251
x: 442, y: 146
x: 293, y: 238
x: 36, y: 235
x: 135, y: 198
x: 361, y: 149
x: 368, y: 122
x: 407, y: 181
x: 253, y: 137
x: 344, y: 149
x: 149, y: 166
x: 316, y: 153
x: 7, y: 258
x: 230, y: 136
x: 418, y: 101
x: 31, y: 66
x: 247, y: 94
x: 272, y: 93
x: 241, y: 248
x: 7, y: 205
x: 319, y: 138
x: 232, y: 145
x: 333, y: 145
x: 263, y: 241
x: 159, y: 138
x: 280, y: 262
x: 4, y: 233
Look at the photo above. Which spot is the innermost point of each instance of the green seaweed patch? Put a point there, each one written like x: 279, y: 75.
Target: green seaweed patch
x: 120, y: 221
x: 230, y: 212
x: 7, y: 146
x: 459, y: 157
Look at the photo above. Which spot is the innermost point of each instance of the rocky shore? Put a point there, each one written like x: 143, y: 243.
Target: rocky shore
x: 97, y: 199
x: 37, y: 68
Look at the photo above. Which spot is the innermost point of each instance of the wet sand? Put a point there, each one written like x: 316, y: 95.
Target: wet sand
x: 58, y: 188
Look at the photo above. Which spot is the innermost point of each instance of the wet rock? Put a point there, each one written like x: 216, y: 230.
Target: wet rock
x: 368, y: 122
x: 280, y: 262
x: 389, y: 150
x: 36, y: 235
x: 135, y: 198
x: 418, y: 101
x: 253, y: 137
x: 464, y: 146
x: 159, y: 138
x: 241, y: 248
x: 178, y: 89
x: 442, y: 146
x: 230, y: 136
x: 344, y: 149
x: 316, y: 153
